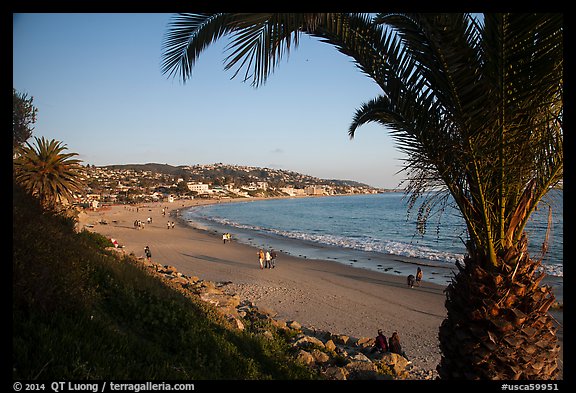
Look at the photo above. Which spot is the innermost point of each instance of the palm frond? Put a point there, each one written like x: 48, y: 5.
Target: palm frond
x: 188, y: 35
x: 258, y: 41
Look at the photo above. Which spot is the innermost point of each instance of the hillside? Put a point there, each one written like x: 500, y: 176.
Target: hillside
x: 222, y: 172
x: 152, y: 167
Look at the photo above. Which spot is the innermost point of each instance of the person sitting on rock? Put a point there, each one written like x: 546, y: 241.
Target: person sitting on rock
x: 380, y: 344
x: 394, y: 345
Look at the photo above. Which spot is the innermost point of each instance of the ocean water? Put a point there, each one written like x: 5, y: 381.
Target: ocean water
x: 370, y: 230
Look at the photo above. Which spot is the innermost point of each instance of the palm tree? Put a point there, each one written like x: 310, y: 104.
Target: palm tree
x: 48, y: 173
x: 477, y: 107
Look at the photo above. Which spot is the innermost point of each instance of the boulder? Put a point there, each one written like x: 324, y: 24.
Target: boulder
x: 167, y: 269
x: 365, y: 342
x: 308, y: 341
x: 220, y: 300
x: 305, y: 357
x: 294, y: 325
x: 180, y: 280
x: 330, y: 345
x: 341, y: 339
x: 208, y: 286
x: 319, y: 356
x: 395, y: 362
x: 278, y: 323
x: 360, y: 357
x: 336, y: 373
x: 361, y: 370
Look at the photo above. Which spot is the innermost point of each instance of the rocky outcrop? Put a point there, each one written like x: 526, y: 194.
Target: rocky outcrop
x: 334, y: 356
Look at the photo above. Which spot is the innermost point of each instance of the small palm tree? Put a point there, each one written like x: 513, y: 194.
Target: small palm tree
x: 478, y: 109
x: 48, y: 173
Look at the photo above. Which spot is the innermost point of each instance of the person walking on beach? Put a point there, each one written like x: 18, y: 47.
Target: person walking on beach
x: 410, y: 280
x: 148, y: 253
x: 261, y: 258
x: 418, y: 276
x: 268, y: 259
x: 273, y: 258
x: 224, y: 238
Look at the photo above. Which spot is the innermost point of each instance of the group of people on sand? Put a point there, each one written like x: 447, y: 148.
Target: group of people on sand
x: 411, y: 280
x: 138, y: 224
x: 267, y: 259
x: 391, y: 345
x: 226, y: 236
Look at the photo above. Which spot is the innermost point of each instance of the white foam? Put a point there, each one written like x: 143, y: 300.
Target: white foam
x: 418, y: 251
x: 359, y: 243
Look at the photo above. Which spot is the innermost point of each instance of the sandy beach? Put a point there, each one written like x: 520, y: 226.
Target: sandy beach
x: 322, y: 294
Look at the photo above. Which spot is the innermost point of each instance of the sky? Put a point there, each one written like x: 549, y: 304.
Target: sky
x: 97, y: 83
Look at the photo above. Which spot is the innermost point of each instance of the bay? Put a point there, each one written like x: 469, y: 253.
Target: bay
x: 369, y: 231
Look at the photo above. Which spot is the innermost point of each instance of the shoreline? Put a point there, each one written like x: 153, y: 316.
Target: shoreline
x: 437, y: 271
x: 322, y: 294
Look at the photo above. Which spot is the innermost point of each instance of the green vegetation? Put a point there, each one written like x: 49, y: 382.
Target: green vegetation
x: 82, y: 312
x: 23, y: 118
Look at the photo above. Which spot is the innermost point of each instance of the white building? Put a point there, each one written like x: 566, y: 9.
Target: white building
x: 263, y: 185
x: 200, y: 188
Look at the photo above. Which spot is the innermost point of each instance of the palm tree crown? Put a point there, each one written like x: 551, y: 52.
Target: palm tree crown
x: 48, y: 173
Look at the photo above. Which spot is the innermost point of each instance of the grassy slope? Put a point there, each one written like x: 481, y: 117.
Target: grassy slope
x: 82, y: 313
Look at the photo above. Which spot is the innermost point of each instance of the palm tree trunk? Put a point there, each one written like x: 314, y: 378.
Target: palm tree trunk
x: 498, y: 325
